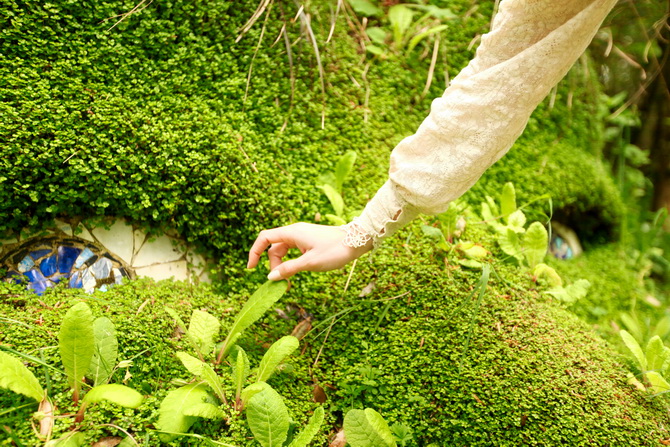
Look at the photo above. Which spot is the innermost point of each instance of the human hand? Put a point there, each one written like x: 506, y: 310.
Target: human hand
x: 321, y: 246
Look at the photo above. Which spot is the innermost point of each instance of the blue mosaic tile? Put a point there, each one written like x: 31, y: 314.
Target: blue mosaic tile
x: 35, y: 275
x: 75, y: 281
x: 83, y: 257
x: 39, y: 253
x: 14, y: 277
x: 66, y: 258
x: 49, y: 265
x: 102, y: 268
x: 38, y: 286
x: 26, y: 264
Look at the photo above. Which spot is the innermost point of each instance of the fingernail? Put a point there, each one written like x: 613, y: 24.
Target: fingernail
x: 274, y: 275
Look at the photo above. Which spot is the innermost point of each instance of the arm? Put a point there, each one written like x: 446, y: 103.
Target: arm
x: 532, y: 45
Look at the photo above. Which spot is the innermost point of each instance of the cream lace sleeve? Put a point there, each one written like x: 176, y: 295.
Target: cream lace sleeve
x: 532, y: 45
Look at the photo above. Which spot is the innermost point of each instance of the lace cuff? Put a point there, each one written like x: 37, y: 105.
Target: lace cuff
x: 386, y: 213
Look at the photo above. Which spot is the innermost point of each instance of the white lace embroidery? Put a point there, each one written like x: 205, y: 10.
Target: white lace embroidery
x: 355, y: 235
x: 532, y: 45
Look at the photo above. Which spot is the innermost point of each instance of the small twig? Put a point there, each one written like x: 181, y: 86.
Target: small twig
x: 289, y: 54
x: 253, y: 58
x: 124, y: 16
x: 304, y: 18
x: 255, y: 16
x: 351, y: 273
x: 332, y: 26
x: 431, y: 70
x: 122, y: 430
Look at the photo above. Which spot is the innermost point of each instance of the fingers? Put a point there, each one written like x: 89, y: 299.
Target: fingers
x: 264, y: 240
x: 276, y: 253
x: 289, y: 268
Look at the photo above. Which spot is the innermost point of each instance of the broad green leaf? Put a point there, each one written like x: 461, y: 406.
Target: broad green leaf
x: 472, y: 250
x: 516, y: 221
x: 437, y: 235
x: 367, y: 428
x: 252, y: 390
x: 543, y: 271
x: 662, y: 327
x: 182, y: 326
x: 666, y: 363
x: 268, y: 418
x: 240, y: 365
x: 117, y: 394
x: 311, y: 429
x: 205, y: 410
x: 105, y: 353
x: 335, y: 220
x: 16, y: 377
x: 172, y: 415
x: 374, y: 49
x: 335, y: 199
x: 440, y: 13
x: 279, y: 350
x: 72, y: 439
x: 76, y: 344
x: 635, y: 348
x: 414, y: 41
x: 376, y: 34
x: 344, y: 166
x: 508, y: 200
x: 572, y: 293
x: 656, y: 354
x: 658, y: 383
x: 470, y: 263
x: 365, y: 8
x: 535, y: 243
x: 400, y: 17
x: 632, y: 325
x: 205, y: 372
x: 489, y: 214
x: 266, y: 295
x: 510, y: 245
x: 204, y: 329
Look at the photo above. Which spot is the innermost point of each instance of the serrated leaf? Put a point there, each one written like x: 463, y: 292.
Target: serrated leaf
x: 105, y: 353
x: 635, y: 348
x: 508, y: 200
x: 76, y: 344
x: 343, y: 168
x: 473, y: 250
x: 376, y: 34
x: 279, y: 350
x: 117, y: 394
x: 172, y: 415
x: 516, y: 221
x: 658, y: 383
x: 204, y: 329
x: 334, y: 198
x: 311, y: 429
x: 490, y: 217
x: 268, y: 418
x: 656, y: 354
x: 182, y: 326
x: 367, y: 428
x: 365, y: 8
x: 15, y: 376
x: 266, y: 295
x: 76, y: 439
x: 662, y: 327
x: 437, y: 235
x: 543, y: 271
x: 535, y: 243
x: 400, y: 17
x: 205, y: 410
x: 572, y: 293
x: 632, y: 325
x: 470, y: 263
x: 205, y: 372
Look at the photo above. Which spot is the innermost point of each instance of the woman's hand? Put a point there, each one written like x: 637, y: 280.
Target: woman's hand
x: 322, y: 249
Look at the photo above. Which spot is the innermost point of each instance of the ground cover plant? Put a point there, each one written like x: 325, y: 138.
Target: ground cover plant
x: 188, y: 116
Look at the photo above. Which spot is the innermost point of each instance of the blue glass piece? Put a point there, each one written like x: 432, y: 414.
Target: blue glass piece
x: 103, y: 288
x: 14, y: 277
x: 568, y: 253
x: 66, y: 258
x: 26, y: 264
x: 83, y: 257
x: 39, y: 253
x: 49, y: 265
x: 39, y: 287
x: 35, y: 275
x: 75, y: 281
x: 102, y: 268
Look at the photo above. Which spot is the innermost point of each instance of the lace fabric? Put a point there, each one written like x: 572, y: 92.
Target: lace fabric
x: 532, y: 45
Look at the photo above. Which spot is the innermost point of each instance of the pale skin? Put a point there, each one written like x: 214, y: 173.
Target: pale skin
x: 322, y: 249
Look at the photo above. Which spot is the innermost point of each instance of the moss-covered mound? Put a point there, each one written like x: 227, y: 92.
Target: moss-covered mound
x: 514, y: 369
x: 154, y: 120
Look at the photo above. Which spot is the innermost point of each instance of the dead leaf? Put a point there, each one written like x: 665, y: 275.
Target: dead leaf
x: 301, y: 329
x: 367, y: 290
x: 47, y: 422
x: 109, y: 441
x: 319, y: 394
x: 338, y: 440
x: 665, y: 441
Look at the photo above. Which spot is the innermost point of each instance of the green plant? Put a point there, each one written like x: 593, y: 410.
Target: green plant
x: 88, y: 348
x: 331, y: 184
x: 367, y: 428
x: 266, y: 412
x: 653, y: 361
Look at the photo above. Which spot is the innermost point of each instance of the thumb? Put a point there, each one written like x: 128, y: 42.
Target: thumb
x: 289, y: 268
